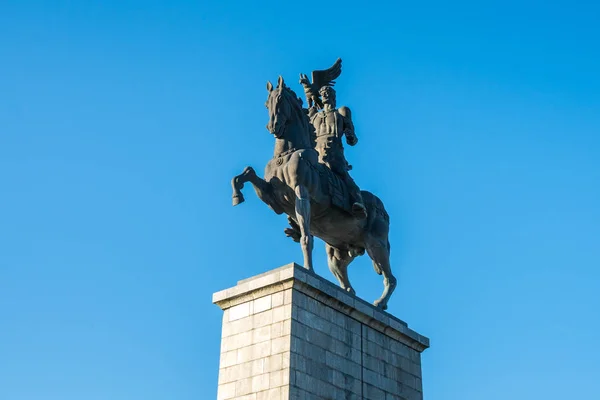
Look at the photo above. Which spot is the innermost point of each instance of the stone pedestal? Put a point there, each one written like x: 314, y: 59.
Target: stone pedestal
x: 289, y: 334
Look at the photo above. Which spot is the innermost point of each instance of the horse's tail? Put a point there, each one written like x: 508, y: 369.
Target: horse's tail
x: 376, y: 216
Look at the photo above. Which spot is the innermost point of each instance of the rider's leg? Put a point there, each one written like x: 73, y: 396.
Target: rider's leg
x: 358, y: 205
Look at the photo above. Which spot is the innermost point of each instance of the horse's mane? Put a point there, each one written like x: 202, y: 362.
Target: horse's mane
x: 296, y: 104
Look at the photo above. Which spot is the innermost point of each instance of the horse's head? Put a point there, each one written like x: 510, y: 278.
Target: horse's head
x: 284, y: 107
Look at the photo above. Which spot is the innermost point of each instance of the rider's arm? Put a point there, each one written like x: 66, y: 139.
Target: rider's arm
x: 312, y: 111
x: 348, y: 127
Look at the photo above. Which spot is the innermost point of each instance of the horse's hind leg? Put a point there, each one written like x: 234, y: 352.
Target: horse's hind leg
x: 338, y: 262
x: 379, y: 251
x: 303, y: 218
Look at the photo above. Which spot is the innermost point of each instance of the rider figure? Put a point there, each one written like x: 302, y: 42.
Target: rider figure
x: 330, y: 125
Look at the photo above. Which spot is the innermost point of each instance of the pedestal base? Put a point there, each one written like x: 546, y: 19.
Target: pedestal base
x: 290, y: 334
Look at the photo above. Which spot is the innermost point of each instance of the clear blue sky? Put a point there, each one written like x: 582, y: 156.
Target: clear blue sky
x: 122, y: 123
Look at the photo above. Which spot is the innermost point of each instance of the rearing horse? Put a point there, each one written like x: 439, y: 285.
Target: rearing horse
x: 297, y: 184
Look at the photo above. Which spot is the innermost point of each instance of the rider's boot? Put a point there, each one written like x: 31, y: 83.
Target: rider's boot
x: 359, y: 210
x: 358, y: 207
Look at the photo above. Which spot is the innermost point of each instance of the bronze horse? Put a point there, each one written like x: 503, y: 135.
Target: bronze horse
x: 296, y: 183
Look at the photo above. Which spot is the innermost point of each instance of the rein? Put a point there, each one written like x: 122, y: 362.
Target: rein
x: 285, y: 153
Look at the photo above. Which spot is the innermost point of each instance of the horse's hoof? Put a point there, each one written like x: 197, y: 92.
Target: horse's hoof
x: 381, y: 305
x: 238, y: 199
x: 351, y: 291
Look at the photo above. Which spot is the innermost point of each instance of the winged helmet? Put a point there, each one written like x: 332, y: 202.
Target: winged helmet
x: 320, y: 78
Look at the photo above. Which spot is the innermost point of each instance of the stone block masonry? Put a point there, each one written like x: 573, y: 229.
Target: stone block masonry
x: 289, y: 334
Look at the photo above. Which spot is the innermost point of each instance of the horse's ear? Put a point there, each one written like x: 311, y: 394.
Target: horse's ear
x: 280, y: 82
x: 269, y: 86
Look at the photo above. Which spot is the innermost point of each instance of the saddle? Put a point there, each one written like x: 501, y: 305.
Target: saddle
x: 336, y: 188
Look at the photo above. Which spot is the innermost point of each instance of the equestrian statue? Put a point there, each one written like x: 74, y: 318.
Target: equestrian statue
x: 308, y: 179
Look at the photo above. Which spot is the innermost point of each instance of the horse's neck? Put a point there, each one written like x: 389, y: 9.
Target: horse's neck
x: 294, y: 139
x: 282, y: 146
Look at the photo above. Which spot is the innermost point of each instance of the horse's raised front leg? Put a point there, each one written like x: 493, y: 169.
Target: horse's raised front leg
x: 237, y: 183
x: 263, y: 189
x: 303, y: 218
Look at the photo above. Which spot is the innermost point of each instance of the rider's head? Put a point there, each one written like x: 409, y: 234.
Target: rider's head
x: 328, y: 95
